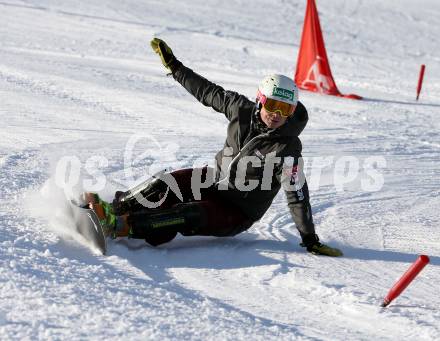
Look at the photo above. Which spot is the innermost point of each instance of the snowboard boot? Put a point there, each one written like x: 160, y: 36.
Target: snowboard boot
x: 312, y: 244
x: 114, y: 226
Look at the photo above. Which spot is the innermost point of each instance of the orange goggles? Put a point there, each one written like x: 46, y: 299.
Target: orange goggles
x: 282, y: 108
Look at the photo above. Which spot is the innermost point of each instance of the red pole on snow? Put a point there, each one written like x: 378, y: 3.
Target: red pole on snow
x: 419, y: 86
x: 406, y: 279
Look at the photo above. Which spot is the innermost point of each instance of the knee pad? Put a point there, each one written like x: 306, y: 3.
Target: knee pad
x: 130, y: 201
x: 186, y: 218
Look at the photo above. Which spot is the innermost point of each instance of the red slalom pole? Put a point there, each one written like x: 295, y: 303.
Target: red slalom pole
x: 419, y: 86
x: 406, y: 279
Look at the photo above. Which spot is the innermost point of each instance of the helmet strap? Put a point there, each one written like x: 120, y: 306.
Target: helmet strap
x: 261, y: 98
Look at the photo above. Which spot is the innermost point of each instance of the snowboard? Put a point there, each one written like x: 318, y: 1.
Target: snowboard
x: 88, y: 226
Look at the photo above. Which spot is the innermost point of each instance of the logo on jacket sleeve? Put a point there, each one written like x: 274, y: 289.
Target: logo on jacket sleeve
x: 296, y: 182
x: 293, y: 178
x: 259, y: 155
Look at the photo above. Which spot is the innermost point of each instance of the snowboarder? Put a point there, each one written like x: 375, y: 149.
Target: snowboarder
x: 261, y: 136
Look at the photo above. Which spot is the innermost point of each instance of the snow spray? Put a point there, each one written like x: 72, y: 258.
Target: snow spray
x: 419, y: 86
x: 406, y: 279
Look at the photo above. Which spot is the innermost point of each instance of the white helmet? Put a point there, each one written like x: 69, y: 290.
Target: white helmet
x: 278, y: 87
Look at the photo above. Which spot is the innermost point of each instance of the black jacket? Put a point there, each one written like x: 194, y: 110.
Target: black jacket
x: 248, y: 137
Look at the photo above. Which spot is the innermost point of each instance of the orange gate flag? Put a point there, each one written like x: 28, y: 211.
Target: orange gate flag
x: 313, y: 69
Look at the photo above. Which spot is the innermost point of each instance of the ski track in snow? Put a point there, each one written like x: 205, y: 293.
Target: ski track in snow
x: 78, y: 79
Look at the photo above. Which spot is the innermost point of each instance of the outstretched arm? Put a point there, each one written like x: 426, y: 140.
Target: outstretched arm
x: 206, y: 92
x: 210, y: 94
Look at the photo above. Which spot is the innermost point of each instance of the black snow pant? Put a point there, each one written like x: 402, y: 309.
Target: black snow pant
x: 209, y: 216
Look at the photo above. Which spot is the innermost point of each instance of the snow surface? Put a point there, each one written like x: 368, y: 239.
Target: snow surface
x: 78, y: 79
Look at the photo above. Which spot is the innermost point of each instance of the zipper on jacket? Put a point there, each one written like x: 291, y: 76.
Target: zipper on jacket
x: 238, y: 155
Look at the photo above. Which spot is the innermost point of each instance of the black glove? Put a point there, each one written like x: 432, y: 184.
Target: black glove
x: 165, y: 53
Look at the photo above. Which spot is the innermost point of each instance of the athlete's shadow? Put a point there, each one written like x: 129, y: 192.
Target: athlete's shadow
x: 206, y: 253
x: 383, y: 255
x: 244, y: 251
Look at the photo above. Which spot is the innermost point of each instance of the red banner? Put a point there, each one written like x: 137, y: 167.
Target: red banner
x: 313, y: 69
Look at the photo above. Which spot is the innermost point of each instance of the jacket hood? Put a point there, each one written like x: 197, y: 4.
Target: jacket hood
x: 295, y: 124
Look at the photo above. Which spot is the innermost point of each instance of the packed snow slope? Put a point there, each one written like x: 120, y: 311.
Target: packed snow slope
x: 79, y: 83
